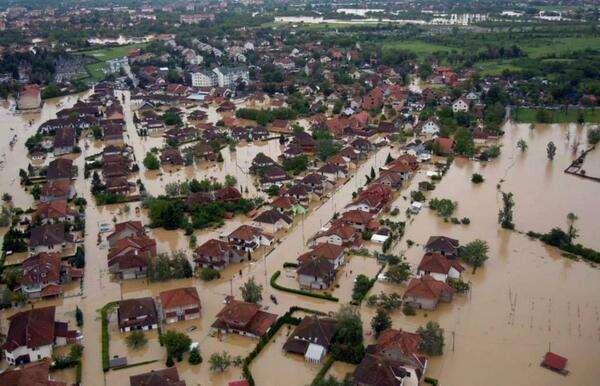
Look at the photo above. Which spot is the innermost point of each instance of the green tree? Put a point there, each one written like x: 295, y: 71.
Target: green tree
x: 348, y: 340
x: 220, y: 362
x: 230, y: 181
x: 522, y: 145
x: 362, y: 284
x: 380, y: 322
x: 251, y: 292
x: 550, y: 150
x: 136, y: 340
x: 477, y: 178
x: 273, y: 190
x: 208, y: 274
x: 475, y: 253
x: 195, y: 358
x: 432, y: 339
x: 398, y: 273
x: 593, y: 136
x: 505, y: 215
x: 36, y: 191
x: 444, y: 207
x: 463, y: 142
x: 78, y: 316
x: 176, y: 343
x: 151, y: 162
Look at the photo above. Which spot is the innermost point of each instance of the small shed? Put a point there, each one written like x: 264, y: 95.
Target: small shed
x: 117, y: 362
x: 314, y: 353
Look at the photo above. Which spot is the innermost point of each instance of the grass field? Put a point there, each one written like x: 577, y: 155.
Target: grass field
x: 419, y: 47
x: 526, y: 115
x: 540, y: 48
x: 96, y: 70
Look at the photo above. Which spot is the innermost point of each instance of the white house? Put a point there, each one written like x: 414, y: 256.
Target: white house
x: 439, y: 267
x: 430, y: 127
x: 460, y: 105
x: 32, y: 334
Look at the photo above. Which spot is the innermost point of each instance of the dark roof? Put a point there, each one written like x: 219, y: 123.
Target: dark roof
x: 32, y: 328
x: 47, y: 235
x: 379, y: 371
x: 31, y: 374
x: 271, y: 216
x: 59, y: 168
x: 311, y: 330
x: 316, y: 267
x: 165, y: 377
x: 442, y: 244
x: 135, y: 308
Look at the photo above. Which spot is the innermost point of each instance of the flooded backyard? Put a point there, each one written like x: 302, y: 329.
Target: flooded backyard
x: 527, y: 299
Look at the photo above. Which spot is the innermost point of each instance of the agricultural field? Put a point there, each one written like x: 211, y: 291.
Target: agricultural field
x: 525, y: 115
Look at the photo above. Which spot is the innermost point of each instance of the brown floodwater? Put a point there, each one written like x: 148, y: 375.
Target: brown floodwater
x: 527, y: 298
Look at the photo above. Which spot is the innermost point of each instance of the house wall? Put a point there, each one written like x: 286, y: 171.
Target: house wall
x: 311, y: 282
x: 426, y: 304
x: 435, y: 275
x: 34, y: 354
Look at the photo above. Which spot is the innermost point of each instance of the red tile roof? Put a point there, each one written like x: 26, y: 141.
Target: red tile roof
x: 427, y: 287
x: 179, y: 297
x: 438, y: 263
x: 325, y: 250
x: 554, y: 361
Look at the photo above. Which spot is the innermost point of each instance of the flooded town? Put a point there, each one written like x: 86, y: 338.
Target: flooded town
x: 300, y: 193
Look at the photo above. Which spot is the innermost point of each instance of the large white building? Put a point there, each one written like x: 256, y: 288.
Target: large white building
x: 229, y: 76
x: 203, y: 79
x: 220, y: 76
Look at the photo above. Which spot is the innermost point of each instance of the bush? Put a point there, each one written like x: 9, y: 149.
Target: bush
x: 136, y: 340
x: 195, y: 358
x: 458, y: 285
x: 416, y: 195
x: 208, y: 274
x: 408, y: 309
x: 465, y: 221
x: 477, y: 178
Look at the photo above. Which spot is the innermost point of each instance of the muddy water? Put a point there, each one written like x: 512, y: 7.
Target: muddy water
x: 23, y: 125
x: 527, y: 298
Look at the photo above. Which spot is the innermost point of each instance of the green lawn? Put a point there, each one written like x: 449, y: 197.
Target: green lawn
x: 496, y: 67
x: 96, y: 70
x: 526, y: 115
x: 559, y: 46
x: 419, y: 47
x: 109, y: 53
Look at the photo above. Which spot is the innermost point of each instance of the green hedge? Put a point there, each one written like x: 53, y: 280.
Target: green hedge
x: 286, y: 318
x: 104, y: 334
x: 371, y: 284
x: 287, y: 264
x: 321, y: 374
x: 298, y: 291
x: 431, y: 381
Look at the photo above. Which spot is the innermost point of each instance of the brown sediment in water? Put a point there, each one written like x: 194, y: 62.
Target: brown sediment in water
x: 526, y: 299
